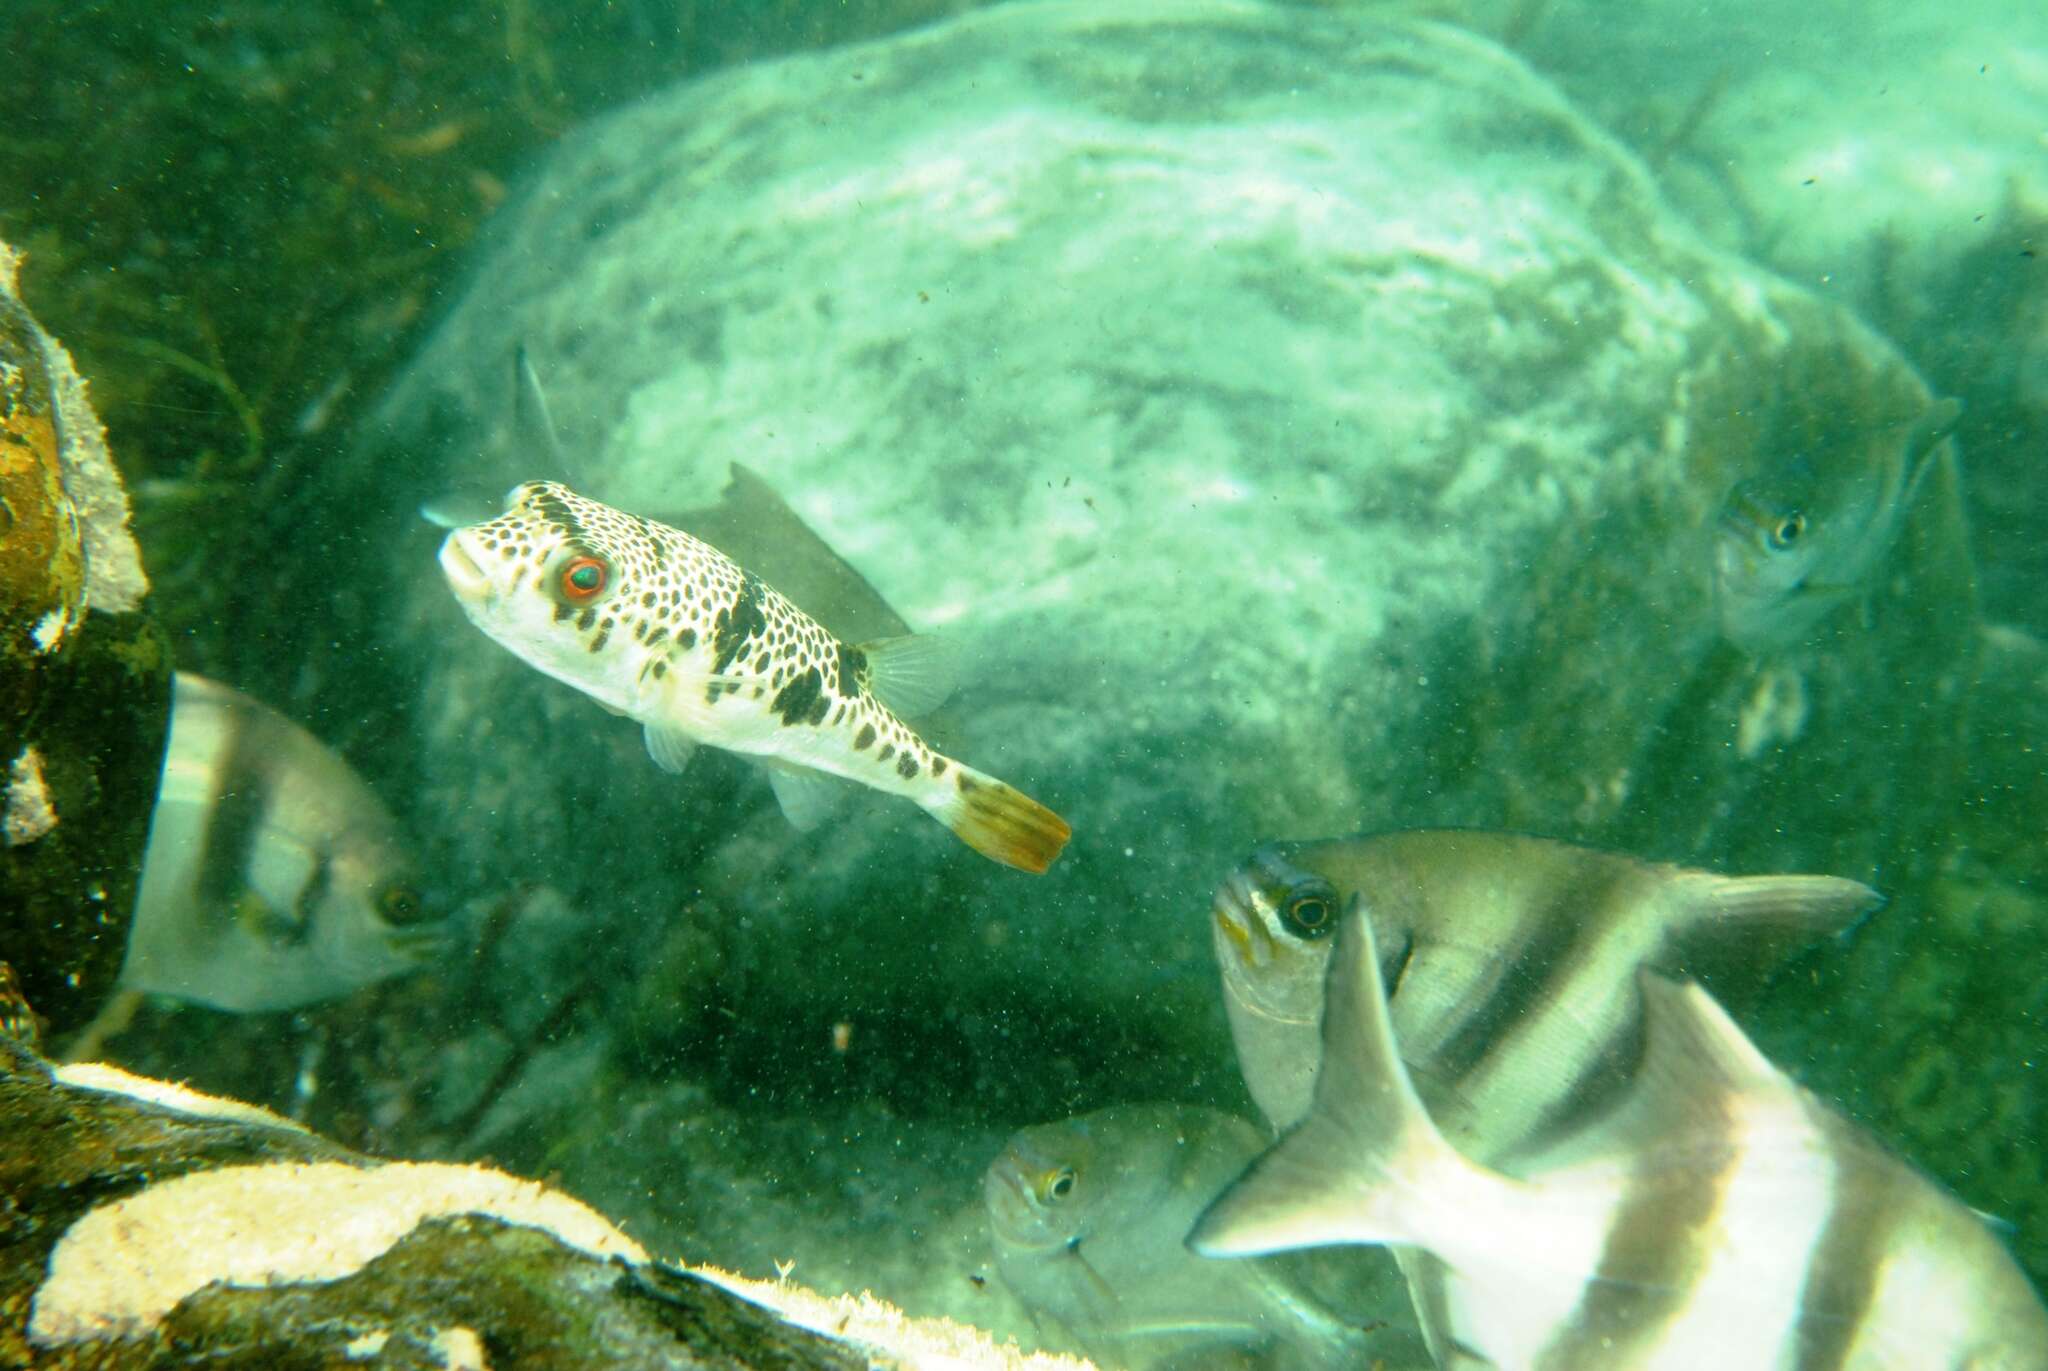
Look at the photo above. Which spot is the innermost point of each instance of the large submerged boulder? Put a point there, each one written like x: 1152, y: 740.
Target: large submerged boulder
x: 1306, y: 423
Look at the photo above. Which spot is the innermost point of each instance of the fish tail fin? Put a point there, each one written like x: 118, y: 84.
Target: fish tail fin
x: 1811, y: 907
x: 1366, y: 1165
x: 1000, y: 822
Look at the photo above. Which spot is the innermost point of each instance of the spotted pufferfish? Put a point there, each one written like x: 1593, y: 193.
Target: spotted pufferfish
x: 665, y: 629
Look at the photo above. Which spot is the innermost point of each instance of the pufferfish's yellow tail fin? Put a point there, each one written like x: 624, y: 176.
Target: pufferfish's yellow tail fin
x: 1002, y: 823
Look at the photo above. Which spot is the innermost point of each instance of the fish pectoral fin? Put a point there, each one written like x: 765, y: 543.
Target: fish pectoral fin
x: 807, y: 797
x: 670, y: 747
x: 911, y: 675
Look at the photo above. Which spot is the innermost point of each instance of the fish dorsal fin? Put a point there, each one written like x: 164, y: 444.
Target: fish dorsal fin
x: 533, y: 423
x: 1365, y: 1155
x: 807, y: 797
x: 541, y: 450
x: 1740, y: 927
x: 1694, y: 1057
x: 1926, y: 432
x: 911, y: 675
x: 1923, y: 444
x: 670, y: 747
x: 1808, y: 907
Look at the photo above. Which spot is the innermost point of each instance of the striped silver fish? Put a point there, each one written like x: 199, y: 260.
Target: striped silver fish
x: 1795, y: 542
x: 1512, y: 961
x: 1088, y: 1216
x: 1719, y: 1216
x: 273, y: 877
x: 663, y: 628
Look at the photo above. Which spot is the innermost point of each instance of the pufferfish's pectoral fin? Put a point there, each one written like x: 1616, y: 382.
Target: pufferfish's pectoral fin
x: 670, y: 747
x: 807, y: 797
x: 911, y: 675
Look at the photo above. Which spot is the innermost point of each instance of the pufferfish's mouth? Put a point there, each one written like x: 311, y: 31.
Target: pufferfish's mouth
x: 465, y: 577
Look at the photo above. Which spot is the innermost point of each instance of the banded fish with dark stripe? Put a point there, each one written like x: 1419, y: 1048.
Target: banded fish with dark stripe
x: 274, y: 877
x: 1512, y: 961
x: 659, y: 626
x: 1717, y: 1216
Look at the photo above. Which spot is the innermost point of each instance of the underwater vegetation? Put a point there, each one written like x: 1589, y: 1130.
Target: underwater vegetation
x: 277, y: 195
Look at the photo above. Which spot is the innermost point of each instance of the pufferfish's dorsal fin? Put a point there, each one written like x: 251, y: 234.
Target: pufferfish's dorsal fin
x: 911, y: 675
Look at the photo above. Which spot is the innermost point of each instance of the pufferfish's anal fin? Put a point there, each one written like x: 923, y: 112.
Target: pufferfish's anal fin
x: 1002, y: 823
x: 670, y: 747
x: 911, y: 675
x: 807, y: 797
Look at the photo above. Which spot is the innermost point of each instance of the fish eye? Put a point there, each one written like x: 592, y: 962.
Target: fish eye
x: 1788, y: 531
x: 399, y: 903
x: 582, y: 579
x: 1061, y: 1185
x: 1311, y: 911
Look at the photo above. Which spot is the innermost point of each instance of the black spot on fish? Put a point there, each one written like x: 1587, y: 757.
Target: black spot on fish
x: 556, y: 512
x: 964, y: 783
x: 586, y: 619
x: 938, y: 766
x: 906, y: 766
x: 864, y: 739
x: 737, y: 622
x: 793, y: 702
x: 604, y: 634
x: 888, y: 751
x: 686, y: 639
x: 562, y: 611
x: 852, y: 663
x: 660, y: 669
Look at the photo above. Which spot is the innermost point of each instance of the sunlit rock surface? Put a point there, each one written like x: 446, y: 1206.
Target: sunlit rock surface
x: 1307, y: 424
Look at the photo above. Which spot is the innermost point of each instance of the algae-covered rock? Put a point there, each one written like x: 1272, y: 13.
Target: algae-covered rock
x: 1307, y: 422
x: 148, y: 1225
x: 84, y: 681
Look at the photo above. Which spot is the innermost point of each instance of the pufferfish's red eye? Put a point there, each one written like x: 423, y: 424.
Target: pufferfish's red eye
x: 583, y: 579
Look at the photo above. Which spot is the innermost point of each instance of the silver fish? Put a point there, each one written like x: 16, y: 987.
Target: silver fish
x: 1798, y: 541
x: 1088, y: 1216
x: 663, y: 628
x: 1719, y: 1216
x: 1512, y: 961
x: 273, y: 877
